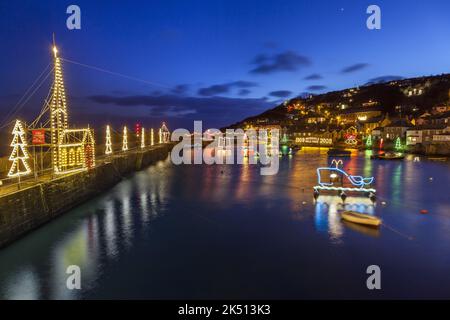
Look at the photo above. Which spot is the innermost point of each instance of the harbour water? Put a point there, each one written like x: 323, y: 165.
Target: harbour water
x: 225, y: 231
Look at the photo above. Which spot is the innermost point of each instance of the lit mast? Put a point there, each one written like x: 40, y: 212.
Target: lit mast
x: 58, y: 110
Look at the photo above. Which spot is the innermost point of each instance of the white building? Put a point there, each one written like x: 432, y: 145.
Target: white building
x: 426, y: 134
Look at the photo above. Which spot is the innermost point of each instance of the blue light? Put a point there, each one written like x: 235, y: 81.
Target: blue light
x: 357, y: 181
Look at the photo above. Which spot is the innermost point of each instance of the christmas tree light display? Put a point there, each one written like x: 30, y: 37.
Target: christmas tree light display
x: 125, y: 139
x: 369, y: 142
x: 398, y: 144
x: 19, y: 155
x: 143, y: 138
x: 108, y: 141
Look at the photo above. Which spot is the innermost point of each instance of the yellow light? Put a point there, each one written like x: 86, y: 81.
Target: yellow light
x: 152, y: 141
x: 143, y: 138
x: 108, y: 149
x: 19, y: 144
x: 125, y: 140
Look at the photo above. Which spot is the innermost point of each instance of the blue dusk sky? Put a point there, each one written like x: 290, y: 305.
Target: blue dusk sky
x: 212, y: 60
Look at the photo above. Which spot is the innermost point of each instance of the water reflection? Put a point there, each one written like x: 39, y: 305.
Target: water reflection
x: 328, y: 218
x: 148, y: 236
x: 89, y: 237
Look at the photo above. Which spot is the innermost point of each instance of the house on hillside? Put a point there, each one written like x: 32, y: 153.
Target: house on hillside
x: 396, y: 129
x: 426, y: 133
x: 353, y: 115
x: 442, y: 118
x: 370, y: 124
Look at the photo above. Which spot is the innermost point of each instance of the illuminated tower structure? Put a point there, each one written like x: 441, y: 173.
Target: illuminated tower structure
x: 125, y: 139
x: 72, y: 149
x: 58, y: 112
x: 108, y: 144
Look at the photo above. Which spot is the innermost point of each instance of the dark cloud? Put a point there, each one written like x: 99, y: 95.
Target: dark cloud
x: 355, y: 67
x: 280, y: 93
x: 180, y: 106
x: 384, y: 79
x: 243, y: 84
x: 314, y: 76
x: 316, y: 88
x: 214, y: 90
x: 244, y: 92
x: 285, y: 61
x: 225, y: 88
x: 180, y: 89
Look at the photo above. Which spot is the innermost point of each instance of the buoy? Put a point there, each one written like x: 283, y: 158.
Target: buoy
x: 316, y: 194
x: 423, y: 211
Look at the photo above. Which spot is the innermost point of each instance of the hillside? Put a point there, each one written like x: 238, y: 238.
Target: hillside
x: 411, y: 97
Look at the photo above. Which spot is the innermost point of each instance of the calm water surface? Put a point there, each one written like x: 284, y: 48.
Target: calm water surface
x: 178, y: 232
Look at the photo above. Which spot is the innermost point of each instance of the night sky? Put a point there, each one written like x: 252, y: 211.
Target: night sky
x: 214, y: 60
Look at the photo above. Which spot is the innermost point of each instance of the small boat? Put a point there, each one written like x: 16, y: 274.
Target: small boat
x: 361, y: 218
x: 389, y: 156
x: 339, y: 153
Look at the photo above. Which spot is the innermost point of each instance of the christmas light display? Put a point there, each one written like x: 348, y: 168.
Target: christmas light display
x: 108, y: 149
x: 369, y: 142
x: 351, y: 139
x: 164, y: 134
x: 58, y: 113
x: 357, y: 181
x: 142, y: 138
x: 152, y: 140
x: 336, y: 175
x: 398, y: 144
x: 19, y: 155
x: 125, y: 139
x: 76, y: 149
x: 71, y: 149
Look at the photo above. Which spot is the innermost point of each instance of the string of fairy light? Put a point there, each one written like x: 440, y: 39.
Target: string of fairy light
x: 71, y: 150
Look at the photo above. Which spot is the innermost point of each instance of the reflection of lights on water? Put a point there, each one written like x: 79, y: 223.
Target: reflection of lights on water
x: 23, y: 286
x: 110, y: 229
x: 328, y: 218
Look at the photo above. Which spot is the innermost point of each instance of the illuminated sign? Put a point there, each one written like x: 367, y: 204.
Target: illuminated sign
x: 314, y: 140
x: 38, y: 137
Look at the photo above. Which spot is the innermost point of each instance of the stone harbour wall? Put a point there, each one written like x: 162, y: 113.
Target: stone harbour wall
x: 29, y: 208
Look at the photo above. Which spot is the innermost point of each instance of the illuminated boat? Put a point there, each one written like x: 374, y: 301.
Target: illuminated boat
x: 335, y: 173
x: 333, y: 178
x: 361, y: 218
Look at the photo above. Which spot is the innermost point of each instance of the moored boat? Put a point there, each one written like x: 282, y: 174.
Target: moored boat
x: 389, y: 156
x: 361, y: 218
x: 339, y: 153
